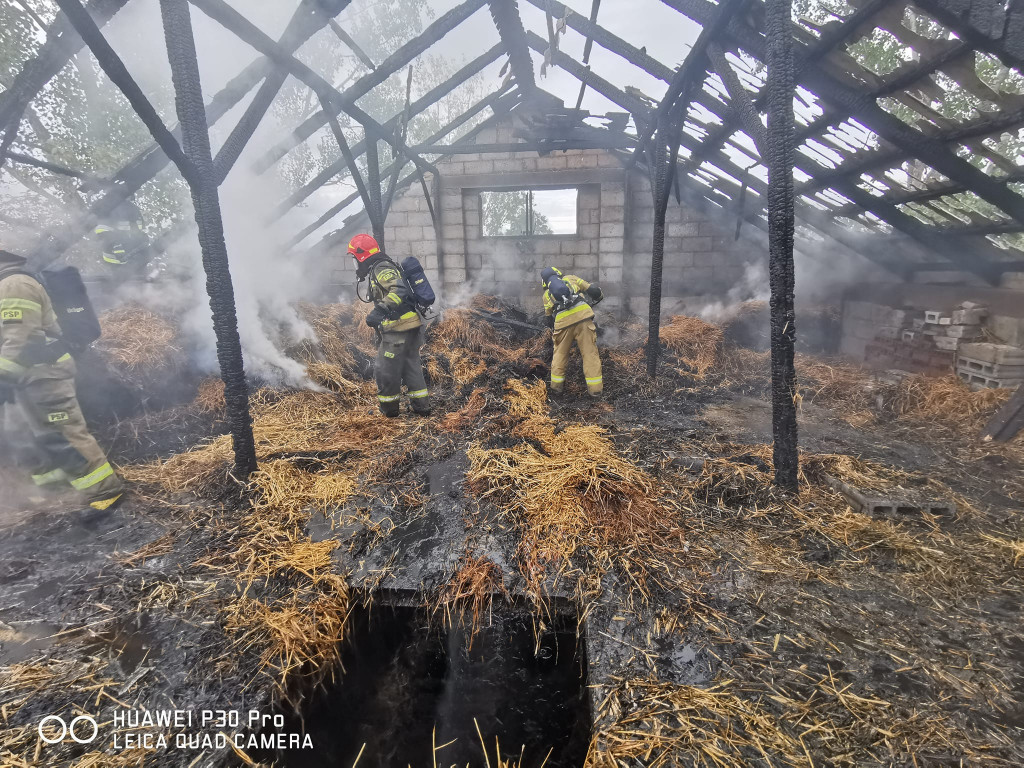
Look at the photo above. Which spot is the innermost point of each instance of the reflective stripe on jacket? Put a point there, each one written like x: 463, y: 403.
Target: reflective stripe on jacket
x: 27, y: 324
x: 576, y: 313
x: 388, y: 290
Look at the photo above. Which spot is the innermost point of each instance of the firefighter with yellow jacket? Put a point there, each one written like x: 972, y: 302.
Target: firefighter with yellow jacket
x: 38, y: 374
x: 398, y: 322
x: 568, y: 307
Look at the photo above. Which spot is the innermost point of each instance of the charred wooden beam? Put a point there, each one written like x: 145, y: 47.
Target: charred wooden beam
x: 505, y: 14
x: 843, y: 241
x: 606, y: 39
x: 62, y: 44
x: 424, y: 102
x: 927, y: 149
x: 181, y: 51
x: 18, y: 157
x: 899, y: 83
x: 692, y: 71
x: 307, y: 21
x: 152, y: 160
x: 115, y: 69
x: 347, y: 201
x: 988, y: 25
x: 346, y: 38
x: 232, y: 20
x: 588, y: 45
x: 396, y: 61
x: 543, y: 147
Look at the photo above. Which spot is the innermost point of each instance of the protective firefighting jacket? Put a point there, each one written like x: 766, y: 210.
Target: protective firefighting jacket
x: 391, y: 295
x: 576, y: 312
x: 29, y: 333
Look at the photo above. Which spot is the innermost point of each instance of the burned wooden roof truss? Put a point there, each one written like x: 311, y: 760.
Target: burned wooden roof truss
x: 884, y: 166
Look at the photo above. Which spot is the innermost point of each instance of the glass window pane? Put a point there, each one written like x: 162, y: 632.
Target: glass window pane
x: 504, y: 213
x: 554, y: 211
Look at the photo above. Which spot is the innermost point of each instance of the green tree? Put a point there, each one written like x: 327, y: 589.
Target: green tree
x: 505, y: 215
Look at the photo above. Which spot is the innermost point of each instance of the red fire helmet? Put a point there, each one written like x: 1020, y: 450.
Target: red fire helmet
x: 363, y: 247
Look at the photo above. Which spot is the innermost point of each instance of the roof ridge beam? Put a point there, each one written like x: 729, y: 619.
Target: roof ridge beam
x: 509, y: 24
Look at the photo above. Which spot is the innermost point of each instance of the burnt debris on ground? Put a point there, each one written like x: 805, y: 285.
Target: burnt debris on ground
x: 720, y: 621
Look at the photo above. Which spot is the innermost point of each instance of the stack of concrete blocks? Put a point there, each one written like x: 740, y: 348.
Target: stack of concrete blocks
x: 991, y: 366
x: 876, y: 325
x: 924, y: 341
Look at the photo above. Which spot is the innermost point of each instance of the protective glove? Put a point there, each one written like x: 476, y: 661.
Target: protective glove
x: 6, y: 393
x: 594, y: 293
x: 375, y: 317
x: 549, y: 321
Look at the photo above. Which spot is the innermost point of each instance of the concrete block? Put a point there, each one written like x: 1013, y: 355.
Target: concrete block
x: 852, y: 347
x: 993, y: 354
x: 612, y: 259
x: 416, y: 218
x: 586, y: 261
x: 972, y: 316
x: 454, y: 274
x: 613, y: 214
x: 887, y: 332
x: 696, y: 244
x: 947, y: 343
x: 858, y: 310
x: 451, y: 202
x: 480, y: 166
x: 575, y: 160
x: 553, y: 162
x: 589, y: 231
x: 422, y: 249
x: 610, y: 275
x: 1008, y: 329
x: 965, y: 332
x: 613, y: 195
x: 683, y: 229
x: 612, y: 229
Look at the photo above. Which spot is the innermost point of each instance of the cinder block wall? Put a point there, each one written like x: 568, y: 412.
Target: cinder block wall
x: 615, y: 217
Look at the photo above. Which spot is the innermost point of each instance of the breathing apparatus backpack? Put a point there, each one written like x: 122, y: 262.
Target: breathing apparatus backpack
x: 562, y: 293
x: 79, y: 326
x: 421, y: 293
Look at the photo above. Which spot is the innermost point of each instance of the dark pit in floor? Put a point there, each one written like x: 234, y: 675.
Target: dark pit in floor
x: 410, y: 685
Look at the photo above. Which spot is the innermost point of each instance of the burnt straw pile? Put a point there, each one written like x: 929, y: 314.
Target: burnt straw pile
x: 726, y: 623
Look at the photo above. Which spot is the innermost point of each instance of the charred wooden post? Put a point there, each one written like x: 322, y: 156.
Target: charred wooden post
x: 780, y: 86
x: 659, y: 162
x: 181, y: 51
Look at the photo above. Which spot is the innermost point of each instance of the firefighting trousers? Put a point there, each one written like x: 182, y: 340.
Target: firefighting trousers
x: 398, y: 363
x: 585, y: 336
x: 65, y: 450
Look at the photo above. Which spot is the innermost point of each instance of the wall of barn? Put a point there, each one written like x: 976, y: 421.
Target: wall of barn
x: 612, y: 245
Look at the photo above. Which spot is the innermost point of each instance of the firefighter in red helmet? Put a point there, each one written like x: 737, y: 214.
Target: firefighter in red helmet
x: 397, y: 320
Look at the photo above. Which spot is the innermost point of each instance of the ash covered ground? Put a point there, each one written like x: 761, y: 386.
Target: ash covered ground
x: 724, y: 623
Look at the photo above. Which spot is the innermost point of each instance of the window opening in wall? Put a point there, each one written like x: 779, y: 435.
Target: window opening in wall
x: 529, y: 212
